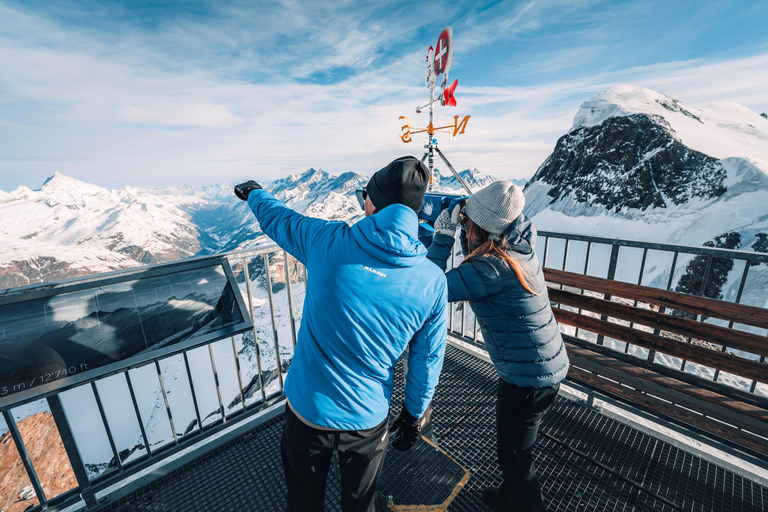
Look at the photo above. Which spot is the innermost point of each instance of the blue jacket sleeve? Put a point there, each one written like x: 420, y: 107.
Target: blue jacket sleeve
x: 426, y: 352
x: 292, y: 231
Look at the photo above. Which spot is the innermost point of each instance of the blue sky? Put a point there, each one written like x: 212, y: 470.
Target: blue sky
x: 153, y: 94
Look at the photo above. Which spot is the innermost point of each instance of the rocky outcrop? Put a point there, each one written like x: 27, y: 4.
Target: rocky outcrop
x: 42, y: 441
x: 630, y: 161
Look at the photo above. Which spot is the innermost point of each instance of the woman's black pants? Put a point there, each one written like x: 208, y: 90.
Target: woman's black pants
x: 518, y: 415
x: 307, y: 453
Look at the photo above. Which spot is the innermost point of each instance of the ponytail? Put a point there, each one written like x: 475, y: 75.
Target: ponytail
x: 498, y: 248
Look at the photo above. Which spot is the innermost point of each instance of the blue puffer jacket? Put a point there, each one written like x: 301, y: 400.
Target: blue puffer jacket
x: 520, y: 332
x: 371, y: 292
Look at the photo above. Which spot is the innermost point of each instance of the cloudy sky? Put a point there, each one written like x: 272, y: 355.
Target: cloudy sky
x: 152, y: 94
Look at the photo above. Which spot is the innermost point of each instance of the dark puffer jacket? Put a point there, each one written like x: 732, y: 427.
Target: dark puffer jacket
x: 519, y: 329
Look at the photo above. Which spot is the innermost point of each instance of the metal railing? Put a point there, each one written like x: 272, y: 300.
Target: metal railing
x: 246, y: 372
x: 117, y: 423
x: 723, y: 274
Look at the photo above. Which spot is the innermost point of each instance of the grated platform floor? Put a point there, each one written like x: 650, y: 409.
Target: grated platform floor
x: 585, y: 461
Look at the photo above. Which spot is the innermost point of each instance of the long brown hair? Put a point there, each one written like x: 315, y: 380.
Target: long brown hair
x: 498, y: 248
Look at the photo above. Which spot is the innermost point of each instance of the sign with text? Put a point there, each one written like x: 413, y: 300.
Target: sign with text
x: 54, y: 338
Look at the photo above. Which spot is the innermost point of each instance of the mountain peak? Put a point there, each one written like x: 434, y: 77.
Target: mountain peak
x: 722, y: 130
x: 61, y: 183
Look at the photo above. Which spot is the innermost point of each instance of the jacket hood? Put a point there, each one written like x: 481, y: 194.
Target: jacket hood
x: 392, y: 236
x: 521, y: 235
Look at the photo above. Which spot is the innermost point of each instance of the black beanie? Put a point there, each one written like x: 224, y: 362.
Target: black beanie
x: 403, y: 181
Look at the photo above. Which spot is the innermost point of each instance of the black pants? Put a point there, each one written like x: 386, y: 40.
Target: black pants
x: 307, y: 453
x: 518, y: 415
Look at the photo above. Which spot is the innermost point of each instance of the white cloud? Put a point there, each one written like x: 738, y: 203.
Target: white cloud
x: 158, y: 108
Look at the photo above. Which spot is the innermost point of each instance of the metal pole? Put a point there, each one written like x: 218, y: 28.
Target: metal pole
x: 167, y: 403
x: 194, y: 395
x: 73, y: 454
x: 290, y: 298
x: 237, y: 371
x: 216, y: 381
x: 255, y: 335
x: 611, y: 275
x: 138, y: 413
x: 274, y: 323
x: 106, y: 427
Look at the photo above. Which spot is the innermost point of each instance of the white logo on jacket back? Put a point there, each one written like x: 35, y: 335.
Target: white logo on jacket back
x: 369, y: 269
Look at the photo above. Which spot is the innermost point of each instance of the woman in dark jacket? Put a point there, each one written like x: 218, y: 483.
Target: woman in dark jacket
x: 503, y: 281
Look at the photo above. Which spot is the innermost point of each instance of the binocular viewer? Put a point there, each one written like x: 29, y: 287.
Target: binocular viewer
x: 434, y: 203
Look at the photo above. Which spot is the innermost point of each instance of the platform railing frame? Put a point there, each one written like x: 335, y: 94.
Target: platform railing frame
x: 87, y: 488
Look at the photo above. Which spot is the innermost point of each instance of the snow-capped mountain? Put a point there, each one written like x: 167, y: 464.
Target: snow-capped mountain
x: 639, y: 164
x: 69, y: 228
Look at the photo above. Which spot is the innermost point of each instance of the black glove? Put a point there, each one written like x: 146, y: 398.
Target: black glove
x: 242, y: 190
x: 405, y: 430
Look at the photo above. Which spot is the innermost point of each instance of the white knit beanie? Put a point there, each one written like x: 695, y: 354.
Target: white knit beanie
x: 496, y: 206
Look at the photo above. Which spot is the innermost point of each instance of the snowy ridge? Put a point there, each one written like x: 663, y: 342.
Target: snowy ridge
x: 721, y: 130
x: 69, y: 228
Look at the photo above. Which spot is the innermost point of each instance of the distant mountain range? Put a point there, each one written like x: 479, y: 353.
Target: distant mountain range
x: 69, y: 228
x: 635, y: 164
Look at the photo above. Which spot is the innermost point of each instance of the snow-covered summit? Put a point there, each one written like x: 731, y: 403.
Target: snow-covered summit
x: 638, y: 164
x: 721, y: 130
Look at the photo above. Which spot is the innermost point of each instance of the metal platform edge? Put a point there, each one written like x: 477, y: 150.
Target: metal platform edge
x: 178, y: 460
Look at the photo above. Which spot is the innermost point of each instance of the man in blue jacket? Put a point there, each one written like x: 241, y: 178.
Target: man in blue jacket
x: 371, y: 292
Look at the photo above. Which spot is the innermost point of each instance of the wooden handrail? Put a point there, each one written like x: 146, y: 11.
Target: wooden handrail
x: 730, y: 338
x: 721, y: 360
x: 738, y: 313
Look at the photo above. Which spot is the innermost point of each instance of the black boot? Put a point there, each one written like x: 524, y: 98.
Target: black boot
x: 496, y: 498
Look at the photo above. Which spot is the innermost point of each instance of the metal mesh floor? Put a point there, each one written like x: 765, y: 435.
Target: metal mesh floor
x: 585, y: 461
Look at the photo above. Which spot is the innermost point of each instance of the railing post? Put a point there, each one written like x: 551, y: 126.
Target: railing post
x: 290, y: 298
x: 274, y: 323
x: 73, y: 454
x: 611, y: 275
x: 255, y: 334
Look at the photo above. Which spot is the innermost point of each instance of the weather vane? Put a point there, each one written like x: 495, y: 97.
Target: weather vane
x: 439, y: 61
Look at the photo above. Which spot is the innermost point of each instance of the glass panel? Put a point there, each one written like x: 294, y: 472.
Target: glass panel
x: 121, y: 417
x: 667, y: 360
x: 43, y: 444
x: 705, y: 372
x: 16, y: 492
x: 282, y: 312
x: 734, y: 381
x: 149, y: 397
x: 50, y: 338
x: 540, y: 243
x: 657, y: 267
x: 761, y: 389
x: 577, y: 256
x: 264, y: 327
x: 88, y: 430
x: 226, y: 371
x: 205, y: 385
x: 628, y: 265
x: 249, y: 369
x: 180, y: 400
x: 599, y: 260
x: 755, y: 286
x: 555, y: 253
